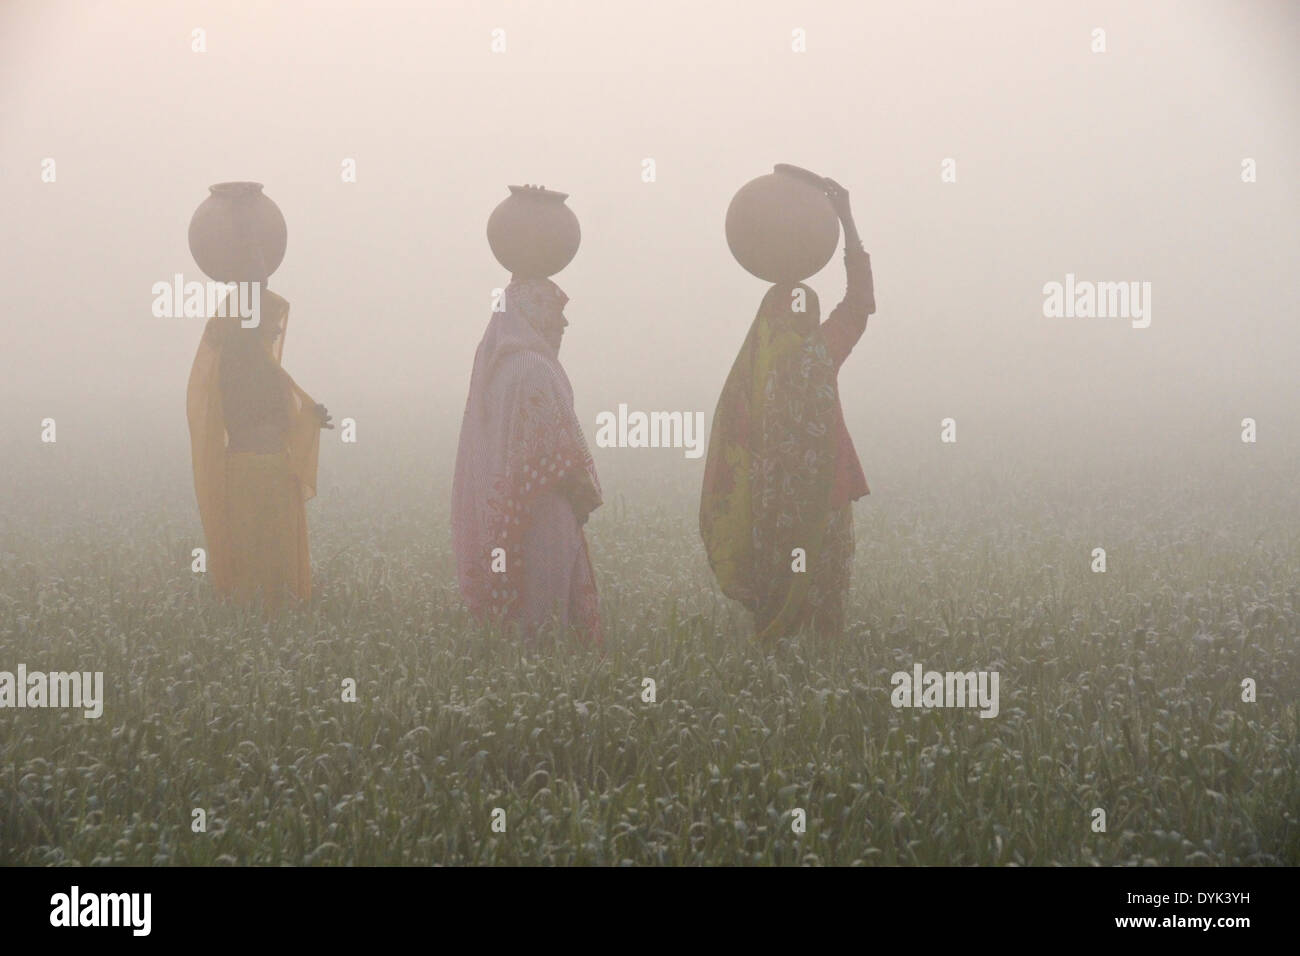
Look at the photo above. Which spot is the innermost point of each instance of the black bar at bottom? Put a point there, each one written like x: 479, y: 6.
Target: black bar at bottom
x: 591, y: 907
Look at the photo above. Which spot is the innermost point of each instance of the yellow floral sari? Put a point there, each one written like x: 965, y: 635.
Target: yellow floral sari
x: 770, y: 473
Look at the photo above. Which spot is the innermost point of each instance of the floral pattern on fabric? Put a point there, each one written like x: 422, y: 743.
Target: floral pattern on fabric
x: 769, y: 477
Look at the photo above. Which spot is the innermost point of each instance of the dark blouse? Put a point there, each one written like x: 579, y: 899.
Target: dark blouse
x: 253, y: 392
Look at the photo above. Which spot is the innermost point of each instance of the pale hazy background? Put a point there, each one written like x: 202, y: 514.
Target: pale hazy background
x: 1117, y: 166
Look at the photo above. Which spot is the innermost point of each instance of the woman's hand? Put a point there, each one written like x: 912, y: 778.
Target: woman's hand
x: 581, y: 495
x: 839, y: 197
x: 324, y: 416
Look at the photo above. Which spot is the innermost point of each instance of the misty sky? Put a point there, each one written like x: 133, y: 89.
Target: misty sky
x: 1124, y: 165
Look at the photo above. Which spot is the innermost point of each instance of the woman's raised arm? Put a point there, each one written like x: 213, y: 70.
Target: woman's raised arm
x: 848, y: 320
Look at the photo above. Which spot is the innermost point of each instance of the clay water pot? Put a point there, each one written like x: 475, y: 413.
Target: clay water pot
x: 238, y: 233
x: 533, y: 233
x: 781, y: 227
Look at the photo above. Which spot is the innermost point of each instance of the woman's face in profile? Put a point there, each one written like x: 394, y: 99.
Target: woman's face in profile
x: 551, y: 325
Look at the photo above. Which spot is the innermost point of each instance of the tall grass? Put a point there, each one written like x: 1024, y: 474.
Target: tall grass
x: 1119, y: 690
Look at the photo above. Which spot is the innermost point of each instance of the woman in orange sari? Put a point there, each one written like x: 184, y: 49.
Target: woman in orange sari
x: 781, y: 471
x: 254, y: 440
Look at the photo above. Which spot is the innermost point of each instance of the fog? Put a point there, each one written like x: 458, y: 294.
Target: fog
x: 1117, y: 166
x: 1113, y: 539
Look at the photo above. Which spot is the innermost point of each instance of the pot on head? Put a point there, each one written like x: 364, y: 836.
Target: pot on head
x: 238, y: 233
x: 781, y: 227
x: 533, y: 233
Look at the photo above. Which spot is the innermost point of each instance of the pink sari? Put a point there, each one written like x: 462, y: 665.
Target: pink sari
x: 524, y: 480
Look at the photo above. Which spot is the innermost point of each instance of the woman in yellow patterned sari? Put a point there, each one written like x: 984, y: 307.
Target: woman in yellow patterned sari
x: 254, y: 440
x: 781, y: 471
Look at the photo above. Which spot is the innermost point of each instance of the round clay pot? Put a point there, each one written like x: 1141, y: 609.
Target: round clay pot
x: 533, y: 233
x: 781, y: 227
x: 238, y: 233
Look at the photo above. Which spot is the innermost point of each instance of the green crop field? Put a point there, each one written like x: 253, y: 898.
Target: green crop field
x: 1119, y: 690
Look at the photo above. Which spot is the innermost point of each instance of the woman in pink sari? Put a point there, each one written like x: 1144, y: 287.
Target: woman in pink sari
x: 525, y: 482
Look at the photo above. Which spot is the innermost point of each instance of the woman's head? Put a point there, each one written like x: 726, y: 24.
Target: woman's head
x: 252, y: 342
x: 792, y: 302
x: 539, y: 302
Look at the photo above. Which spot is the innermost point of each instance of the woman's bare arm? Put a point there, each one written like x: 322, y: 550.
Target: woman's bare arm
x: 848, y: 320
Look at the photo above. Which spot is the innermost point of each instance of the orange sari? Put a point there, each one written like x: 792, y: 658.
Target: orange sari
x: 252, y: 505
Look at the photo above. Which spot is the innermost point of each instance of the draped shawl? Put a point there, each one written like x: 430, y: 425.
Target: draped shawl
x: 771, y: 468
x: 519, y: 439
x: 208, y: 439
